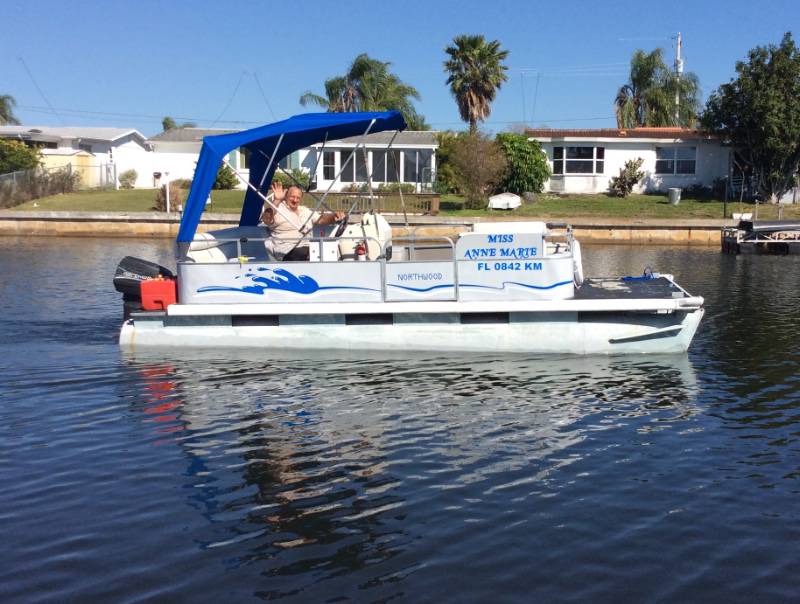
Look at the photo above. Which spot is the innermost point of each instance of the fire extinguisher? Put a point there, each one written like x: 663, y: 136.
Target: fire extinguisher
x: 361, y: 251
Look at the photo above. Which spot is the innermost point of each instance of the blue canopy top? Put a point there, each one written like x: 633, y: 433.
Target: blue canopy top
x: 298, y: 132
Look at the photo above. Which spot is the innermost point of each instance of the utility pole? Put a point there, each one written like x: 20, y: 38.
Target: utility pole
x: 522, y: 87
x: 678, y: 72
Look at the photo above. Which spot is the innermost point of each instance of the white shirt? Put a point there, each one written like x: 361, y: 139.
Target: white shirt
x: 286, y: 231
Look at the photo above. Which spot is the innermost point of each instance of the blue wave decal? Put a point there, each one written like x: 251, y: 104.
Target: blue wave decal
x: 278, y: 279
x: 559, y: 284
x: 420, y: 289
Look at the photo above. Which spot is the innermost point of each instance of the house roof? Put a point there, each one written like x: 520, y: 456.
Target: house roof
x: 187, y: 135
x: 65, y: 132
x: 407, y: 137
x: 192, y: 135
x: 629, y: 133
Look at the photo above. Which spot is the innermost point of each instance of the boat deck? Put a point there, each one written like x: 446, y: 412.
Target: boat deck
x: 776, y: 237
x: 628, y: 288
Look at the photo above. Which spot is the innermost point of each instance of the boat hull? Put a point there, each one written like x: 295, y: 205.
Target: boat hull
x: 564, y: 332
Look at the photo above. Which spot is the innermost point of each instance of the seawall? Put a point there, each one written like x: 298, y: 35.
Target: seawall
x: 155, y: 224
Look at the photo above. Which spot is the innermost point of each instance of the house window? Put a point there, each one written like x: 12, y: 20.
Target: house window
x: 379, y: 166
x: 328, y: 165
x: 424, y: 161
x: 40, y: 145
x: 685, y: 160
x: 361, y: 165
x: 417, y: 165
x: 290, y: 162
x: 676, y: 160
x: 355, y: 168
x: 244, y: 158
x: 578, y: 160
x: 558, y: 160
x: 85, y: 147
x: 392, y: 166
x: 410, y: 166
x: 347, y: 168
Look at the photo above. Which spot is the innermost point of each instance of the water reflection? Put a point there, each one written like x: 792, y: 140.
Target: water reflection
x: 312, y: 466
x: 197, y: 476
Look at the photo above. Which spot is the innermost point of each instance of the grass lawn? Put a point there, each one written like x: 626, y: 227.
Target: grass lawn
x: 632, y: 207
x: 131, y: 200
x: 584, y: 206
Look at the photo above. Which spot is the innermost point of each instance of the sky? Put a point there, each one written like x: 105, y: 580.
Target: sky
x: 239, y: 64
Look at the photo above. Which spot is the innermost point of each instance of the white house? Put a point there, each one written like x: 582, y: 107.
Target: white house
x: 175, y: 153
x: 584, y: 161
x: 100, y: 155
x: 412, y: 158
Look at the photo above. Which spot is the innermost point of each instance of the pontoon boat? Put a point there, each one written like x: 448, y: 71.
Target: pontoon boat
x: 504, y: 287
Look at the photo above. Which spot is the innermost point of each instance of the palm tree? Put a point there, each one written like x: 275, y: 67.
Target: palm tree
x: 648, y: 99
x: 369, y: 85
x: 475, y: 73
x: 168, y: 123
x: 7, y: 104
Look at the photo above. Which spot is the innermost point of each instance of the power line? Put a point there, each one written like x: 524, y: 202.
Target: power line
x: 41, y: 92
x: 569, y: 119
x: 230, y: 100
x: 86, y: 112
x: 264, y: 96
x: 577, y: 70
x: 642, y: 39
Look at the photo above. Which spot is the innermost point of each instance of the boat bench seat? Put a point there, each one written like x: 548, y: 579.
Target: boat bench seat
x: 220, y: 245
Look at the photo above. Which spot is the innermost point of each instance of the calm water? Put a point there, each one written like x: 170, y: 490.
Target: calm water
x: 258, y: 476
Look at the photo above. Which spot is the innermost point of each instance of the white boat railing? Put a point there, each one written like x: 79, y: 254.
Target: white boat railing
x: 239, y: 241
x: 417, y: 244
x: 406, y: 268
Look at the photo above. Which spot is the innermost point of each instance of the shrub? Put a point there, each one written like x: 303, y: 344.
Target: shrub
x: 226, y: 179
x: 39, y: 182
x: 296, y: 177
x: 479, y: 165
x: 719, y: 186
x: 16, y: 156
x: 175, y: 197
x: 355, y: 187
x: 183, y: 183
x: 698, y: 191
x: 446, y: 181
x: 449, y: 205
x: 629, y: 176
x: 397, y: 187
x: 127, y: 179
x: 527, y: 164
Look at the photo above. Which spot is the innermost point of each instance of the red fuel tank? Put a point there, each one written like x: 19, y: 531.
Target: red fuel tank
x: 157, y: 294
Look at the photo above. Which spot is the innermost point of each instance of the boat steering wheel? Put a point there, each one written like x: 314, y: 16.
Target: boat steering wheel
x: 341, y: 225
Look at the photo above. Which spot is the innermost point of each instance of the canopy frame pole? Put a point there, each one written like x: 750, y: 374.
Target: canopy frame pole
x: 369, y: 178
x: 386, y: 165
x: 263, y: 197
x: 316, y: 163
x: 298, y: 184
x: 400, y: 188
x: 271, y: 160
x: 363, y: 144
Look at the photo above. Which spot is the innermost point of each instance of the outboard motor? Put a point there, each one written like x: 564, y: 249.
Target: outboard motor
x: 128, y: 278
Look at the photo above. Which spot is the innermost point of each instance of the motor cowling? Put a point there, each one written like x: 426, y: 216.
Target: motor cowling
x: 130, y: 273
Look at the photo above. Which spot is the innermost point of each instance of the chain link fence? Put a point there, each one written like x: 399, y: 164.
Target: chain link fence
x: 18, y: 187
